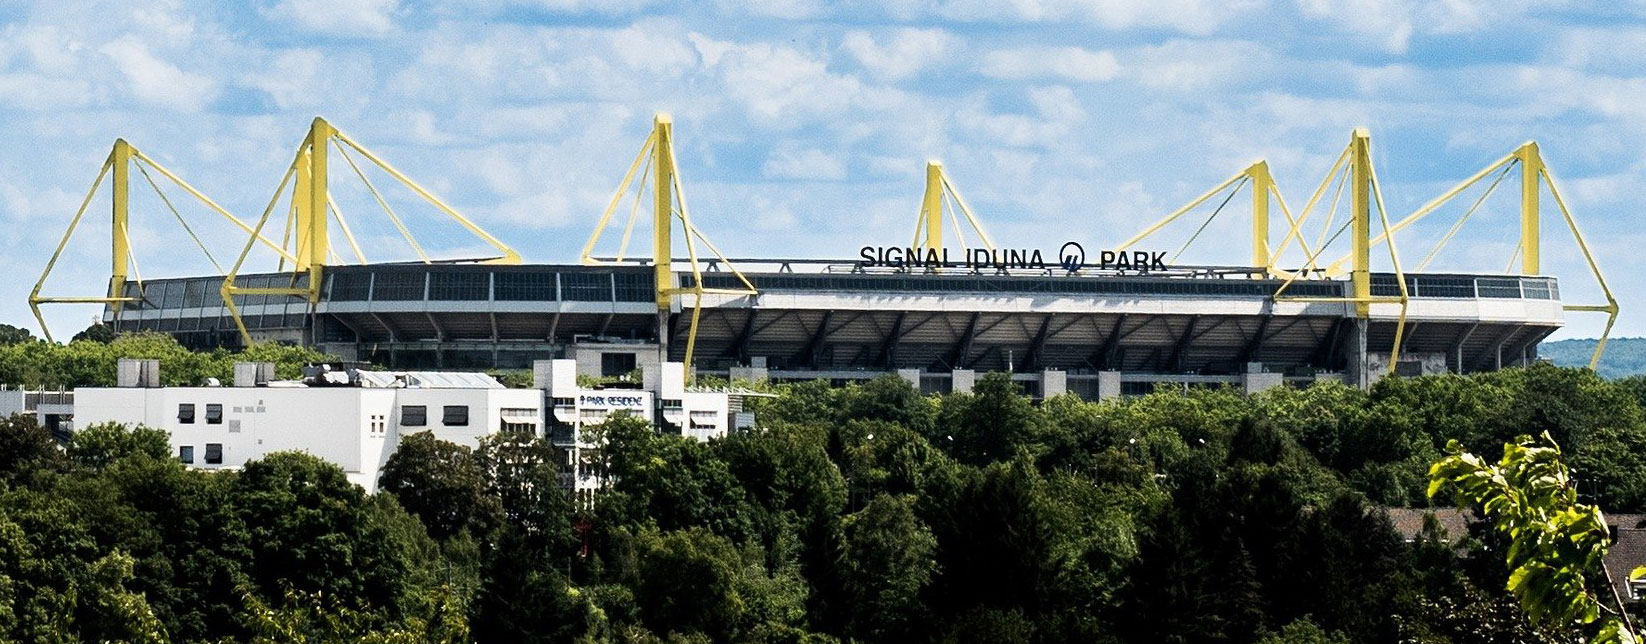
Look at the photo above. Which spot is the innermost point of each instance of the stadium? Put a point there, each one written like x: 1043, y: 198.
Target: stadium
x: 1121, y: 321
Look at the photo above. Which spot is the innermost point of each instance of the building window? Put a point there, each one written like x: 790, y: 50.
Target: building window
x: 667, y: 404
x: 518, y: 427
x: 214, y: 414
x: 616, y: 364
x: 518, y: 419
x: 379, y: 425
x: 214, y: 453
x: 185, y: 413
x: 186, y: 454
x: 456, y: 416
x: 564, y: 402
x: 414, y: 415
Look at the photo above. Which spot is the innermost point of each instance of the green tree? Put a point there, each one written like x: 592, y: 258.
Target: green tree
x: 26, y: 447
x: 990, y: 424
x: 99, y: 445
x: 1555, y: 543
x: 14, y: 335
x: 443, y: 484
x: 97, y: 332
x: 309, y: 532
x: 889, y: 562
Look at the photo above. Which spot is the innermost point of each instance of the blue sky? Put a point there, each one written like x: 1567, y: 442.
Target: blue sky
x: 802, y: 127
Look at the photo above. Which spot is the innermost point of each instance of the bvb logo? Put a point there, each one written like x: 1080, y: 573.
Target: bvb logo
x: 1072, y: 256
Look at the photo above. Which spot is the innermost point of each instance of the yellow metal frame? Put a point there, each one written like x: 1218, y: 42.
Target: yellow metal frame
x: 312, y: 209
x: 1534, y: 174
x: 1365, y: 193
x: 928, y: 227
x: 657, y: 161
x: 1263, y: 189
x: 1355, y: 167
x: 123, y: 263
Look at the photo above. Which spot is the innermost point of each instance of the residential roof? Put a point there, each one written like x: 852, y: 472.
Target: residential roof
x: 1409, y: 521
x: 1628, y: 549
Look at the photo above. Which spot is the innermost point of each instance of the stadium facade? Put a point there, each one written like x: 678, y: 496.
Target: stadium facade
x: 1125, y: 322
x: 842, y: 321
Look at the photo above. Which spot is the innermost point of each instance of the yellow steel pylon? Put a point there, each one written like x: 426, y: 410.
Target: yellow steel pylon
x: 657, y: 159
x: 312, y: 207
x: 123, y: 263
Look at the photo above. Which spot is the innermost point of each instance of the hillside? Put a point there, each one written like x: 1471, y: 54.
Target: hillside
x: 1624, y: 356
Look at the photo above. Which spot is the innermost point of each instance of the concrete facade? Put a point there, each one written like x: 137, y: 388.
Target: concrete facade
x: 355, y: 427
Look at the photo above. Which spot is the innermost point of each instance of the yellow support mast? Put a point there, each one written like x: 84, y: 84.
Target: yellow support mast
x: 311, y: 206
x: 117, y: 168
x: 1360, y: 216
x: 657, y: 160
x: 1531, y: 168
x: 931, y: 209
x: 928, y: 225
x: 119, y: 231
x: 663, y: 212
x: 1262, y: 185
x: 1365, y: 195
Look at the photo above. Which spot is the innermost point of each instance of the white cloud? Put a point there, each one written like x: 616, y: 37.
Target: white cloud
x: 1198, y: 65
x: 156, y: 81
x: 906, y: 52
x: 1068, y: 63
x: 339, y: 17
x: 1187, y: 16
x: 805, y: 165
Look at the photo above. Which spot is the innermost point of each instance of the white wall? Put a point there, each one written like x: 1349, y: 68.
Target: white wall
x: 334, y: 423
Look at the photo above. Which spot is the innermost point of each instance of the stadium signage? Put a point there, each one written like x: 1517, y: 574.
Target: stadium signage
x: 1071, y: 257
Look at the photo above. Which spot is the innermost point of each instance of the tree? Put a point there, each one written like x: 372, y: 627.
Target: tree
x: 989, y: 424
x: 25, y: 447
x: 309, y: 532
x: 97, y: 332
x: 443, y: 484
x: 691, y: 584
x: 101, y: 444
x: 1555, y: 542
x: 15, y: 335
x: 889, y: 562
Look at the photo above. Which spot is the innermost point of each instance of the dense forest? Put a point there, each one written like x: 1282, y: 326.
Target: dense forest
x: 867, y: 513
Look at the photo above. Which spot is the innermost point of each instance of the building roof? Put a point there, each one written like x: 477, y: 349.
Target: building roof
x: 1409, y: 522
x: 1628, y: 549
x: 428, y: 380
x: 1628, y: 552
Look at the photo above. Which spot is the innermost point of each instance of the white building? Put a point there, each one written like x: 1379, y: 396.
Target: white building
x: 354, y: 419
x: 52, y: 409
x: 661, y: 398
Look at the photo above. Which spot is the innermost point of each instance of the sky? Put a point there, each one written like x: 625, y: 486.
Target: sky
x: 802, y: 127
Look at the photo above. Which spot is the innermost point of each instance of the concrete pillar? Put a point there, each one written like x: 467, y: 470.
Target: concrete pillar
x: 1108, y: 385
x: 1358, y: 367
x: 911, y: 375
x: 963, y: 381
x: 1053, y: 382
